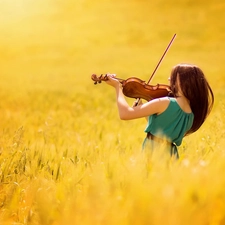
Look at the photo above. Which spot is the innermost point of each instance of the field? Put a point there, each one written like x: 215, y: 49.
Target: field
x: 65, y: 156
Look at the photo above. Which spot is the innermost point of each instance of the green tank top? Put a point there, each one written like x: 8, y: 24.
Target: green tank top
x: 171, y: 124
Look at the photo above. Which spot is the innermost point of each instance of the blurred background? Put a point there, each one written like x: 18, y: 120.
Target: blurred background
x: 54, y: 46
x: 74, y: 38
x: 61, y: 133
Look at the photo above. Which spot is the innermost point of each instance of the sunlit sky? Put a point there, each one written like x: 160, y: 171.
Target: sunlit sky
x: 70, y: 30
x: 16, y: 10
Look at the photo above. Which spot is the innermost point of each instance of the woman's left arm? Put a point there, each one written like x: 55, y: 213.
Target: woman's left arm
x: 127, y: 112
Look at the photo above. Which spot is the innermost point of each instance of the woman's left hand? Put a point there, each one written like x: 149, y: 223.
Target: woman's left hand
x: 112, y: 81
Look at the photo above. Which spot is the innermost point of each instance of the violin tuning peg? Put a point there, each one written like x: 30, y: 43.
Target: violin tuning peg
x: 106, y: 77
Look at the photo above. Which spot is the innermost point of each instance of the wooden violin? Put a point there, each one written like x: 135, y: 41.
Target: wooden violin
x: 136, y: 88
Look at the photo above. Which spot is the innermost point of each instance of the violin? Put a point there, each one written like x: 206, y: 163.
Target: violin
x: 136, y: 88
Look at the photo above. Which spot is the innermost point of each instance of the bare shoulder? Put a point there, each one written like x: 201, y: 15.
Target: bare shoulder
x: 160, y: 101
x: 160, y: 104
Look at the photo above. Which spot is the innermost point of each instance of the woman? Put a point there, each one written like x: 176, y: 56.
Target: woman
x: 170, y: 119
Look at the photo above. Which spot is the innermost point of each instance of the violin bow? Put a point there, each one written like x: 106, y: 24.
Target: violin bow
x: 157, y: 66
x: 167, y: 48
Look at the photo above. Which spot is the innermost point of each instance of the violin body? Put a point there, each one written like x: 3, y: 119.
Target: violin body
x: 136, y: 88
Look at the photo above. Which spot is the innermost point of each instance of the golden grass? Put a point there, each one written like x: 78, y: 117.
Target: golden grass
x: 66, y: 158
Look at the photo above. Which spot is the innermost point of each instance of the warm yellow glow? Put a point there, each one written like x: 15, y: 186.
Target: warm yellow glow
x: 65, y: 157
x: 13, y: 10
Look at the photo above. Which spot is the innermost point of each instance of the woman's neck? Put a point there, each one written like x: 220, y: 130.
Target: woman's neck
x: 184, y: 103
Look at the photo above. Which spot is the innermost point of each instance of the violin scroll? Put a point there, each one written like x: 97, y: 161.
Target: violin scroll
x: 99, y: 79
x: 102, y: 77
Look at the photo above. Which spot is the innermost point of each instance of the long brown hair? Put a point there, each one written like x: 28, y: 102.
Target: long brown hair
x: 196, y: 89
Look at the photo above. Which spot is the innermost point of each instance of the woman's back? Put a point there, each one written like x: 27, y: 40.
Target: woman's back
x: 172, y: 124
